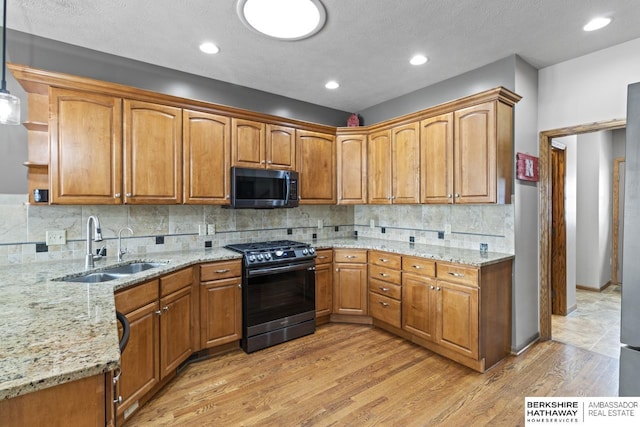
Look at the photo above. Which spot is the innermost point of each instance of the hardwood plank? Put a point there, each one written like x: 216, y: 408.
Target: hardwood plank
x: 360, y: 375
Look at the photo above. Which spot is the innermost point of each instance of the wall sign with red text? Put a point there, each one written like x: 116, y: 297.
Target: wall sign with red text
x: 527, y: 167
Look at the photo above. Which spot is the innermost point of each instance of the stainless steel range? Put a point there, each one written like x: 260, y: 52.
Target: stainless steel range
x: 278, y: 292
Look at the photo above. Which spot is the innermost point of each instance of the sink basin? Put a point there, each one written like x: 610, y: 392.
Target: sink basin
x: 134, y: 267
x: 112, y: 273
x: 93, y: 278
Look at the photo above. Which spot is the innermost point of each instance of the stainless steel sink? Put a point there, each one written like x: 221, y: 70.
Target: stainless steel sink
x: 112, y: 273
x: 134, y: 267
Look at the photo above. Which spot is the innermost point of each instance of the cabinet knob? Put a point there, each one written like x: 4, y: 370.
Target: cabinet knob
x: 158, y: 312
x: 337, y: 269
x: 269, y: 162
x: 117, y: 400
x: 448, y: 196
x: 128, y: 194
x: 240, y: 285
x: 262, y: 162
x: 432, y: 287
x: 165, y: 308
x: 438, y: 288
x: 457, y: 195
x: 227, y: 196
x: 116, y: 196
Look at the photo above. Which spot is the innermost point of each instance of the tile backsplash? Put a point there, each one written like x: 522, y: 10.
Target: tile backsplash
x: 24, y: 225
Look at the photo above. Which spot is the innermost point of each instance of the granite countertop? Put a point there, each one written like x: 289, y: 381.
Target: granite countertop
x: 56, y: 331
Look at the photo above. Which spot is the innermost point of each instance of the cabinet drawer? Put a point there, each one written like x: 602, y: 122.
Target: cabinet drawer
x: 220, y: 270
x: 176, y: 281
x: 357, y: 256
x: 383, y: 273
x: 457, y: 273
x: 385, y: 309
x: 324, y: 256
x: 384, y: 288
x: 420, y: 266
x: 385, y: 259
x: 130, y: 299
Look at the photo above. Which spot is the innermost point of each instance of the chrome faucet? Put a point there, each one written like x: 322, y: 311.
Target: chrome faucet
x: 121, y: 251
x: 97, y: 237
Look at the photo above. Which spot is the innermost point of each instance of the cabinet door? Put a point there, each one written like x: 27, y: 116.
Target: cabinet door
x: 436, y: 159
x: 419, y: 306
x: 221, y: 312
x: 405, y: 163
x: 85, y: 148
x: 458, y: 318
x: 475, y: 154
x: 281, y: 147
x: 247, y: 143
x: 379, y: 168
x: 207, y: 158
x: 153, y: 153
x: 175, y: 330
x: 324, y: 289
x: 350, y: 289
x: 317, y: 167
x: 140, y: 360
x: 352, y: 169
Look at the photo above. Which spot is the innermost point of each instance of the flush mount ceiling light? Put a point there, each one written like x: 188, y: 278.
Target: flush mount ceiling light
x: 210, y: 48
x: 597, y: 23
x: 418, y: 60
x: 283, y: 19
x: 332, y: 84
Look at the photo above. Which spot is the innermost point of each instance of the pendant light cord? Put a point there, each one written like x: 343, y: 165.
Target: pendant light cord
x: 4, y: 48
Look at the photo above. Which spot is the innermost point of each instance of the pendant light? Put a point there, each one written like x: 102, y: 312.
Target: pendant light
x: 9, y: 104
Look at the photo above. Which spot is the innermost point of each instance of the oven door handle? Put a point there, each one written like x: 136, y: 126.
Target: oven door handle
x: 283, y: 269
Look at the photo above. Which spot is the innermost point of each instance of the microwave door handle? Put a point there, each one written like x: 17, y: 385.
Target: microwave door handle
x: 286, y: 197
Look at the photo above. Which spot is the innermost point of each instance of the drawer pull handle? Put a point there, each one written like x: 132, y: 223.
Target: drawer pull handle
x: 383, y: 259
x: 417, y: 267
x: 165, y: 308
x: 323, y: 257
x: 384, y: 275
x: 226, y: 270
x: 350, y: 256
x: 383, y: 289
x: 384, y: 304
x: 454, y: 274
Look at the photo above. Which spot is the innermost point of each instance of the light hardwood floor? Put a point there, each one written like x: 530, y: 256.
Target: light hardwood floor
x: 594, y: 324
x: 355, y: 375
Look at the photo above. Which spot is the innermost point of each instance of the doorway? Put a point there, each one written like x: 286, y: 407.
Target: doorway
x: 546, y: 212
x: 618, y: 209
x: 558, y: 232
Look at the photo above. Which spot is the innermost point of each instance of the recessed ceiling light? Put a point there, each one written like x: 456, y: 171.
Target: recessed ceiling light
x: 283, y: 19
x: 597, y: 23
x: 208, y: 47
x: 332, y: 84
x: 418, y: 60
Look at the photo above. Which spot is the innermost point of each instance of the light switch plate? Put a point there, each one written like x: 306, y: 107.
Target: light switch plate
x: 320, y: 224
x: 447, y: 228
x: 372, y: 223
x: 211, y: 229
x: 56, y: 237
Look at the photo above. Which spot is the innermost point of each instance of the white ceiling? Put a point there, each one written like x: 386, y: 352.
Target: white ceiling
x: 365, y: 44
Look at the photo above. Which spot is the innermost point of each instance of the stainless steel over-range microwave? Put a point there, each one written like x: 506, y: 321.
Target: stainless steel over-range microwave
x: 263, y: 188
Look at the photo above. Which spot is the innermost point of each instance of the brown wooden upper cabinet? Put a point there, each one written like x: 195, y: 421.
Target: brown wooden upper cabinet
x: 152, y: 153
x: 352, y: 169
x: 259, y: 145
x: 95, y: 159
x: 394, y: 165
x: 85, y: 147
x: 467, y: 155
x: 316, y: 165
x: 207, y: 158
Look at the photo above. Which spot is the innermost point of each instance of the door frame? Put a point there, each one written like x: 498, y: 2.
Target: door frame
x: 615, y: 250
x: 545, y: 211
x: 559, y: 238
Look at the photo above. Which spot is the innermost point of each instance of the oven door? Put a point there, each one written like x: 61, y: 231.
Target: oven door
x: 278, y: 297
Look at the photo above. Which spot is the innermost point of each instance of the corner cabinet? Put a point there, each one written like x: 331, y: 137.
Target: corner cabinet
x: 350, y: 282
x: 317, y: 167
x: 207, y: 158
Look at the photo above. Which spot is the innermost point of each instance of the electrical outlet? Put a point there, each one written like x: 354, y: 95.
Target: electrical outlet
x: 372, y: 223
x: 56, y: 237
x: 484, y: 247
x: 320, y: 224
x: 202, y: 230
x: 447, y: 228
x: 211, y: 229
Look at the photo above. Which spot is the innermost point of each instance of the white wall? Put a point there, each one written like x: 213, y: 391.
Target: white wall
x: 588, y: 89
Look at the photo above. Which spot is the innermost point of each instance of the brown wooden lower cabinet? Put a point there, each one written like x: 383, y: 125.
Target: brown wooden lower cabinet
x: 220, y: 303
x: 76, y: 403
x: 350, y: 282
x: 324, y: 285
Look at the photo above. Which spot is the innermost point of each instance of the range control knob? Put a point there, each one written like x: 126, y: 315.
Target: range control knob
x: 312, y: 251
x: 305, y: 251
x: 267, y: 256
x: 252, y: 258
x: 279, y: 253
x: 259, y: 257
